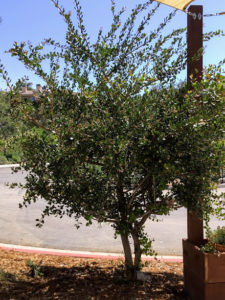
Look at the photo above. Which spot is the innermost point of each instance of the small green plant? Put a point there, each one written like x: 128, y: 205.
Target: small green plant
x: 208, y: 248
x: 36, y: 270
x: 6, y: 276
x: 217, y: 236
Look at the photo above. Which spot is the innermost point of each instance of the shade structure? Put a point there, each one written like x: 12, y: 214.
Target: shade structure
x: 178, y: 4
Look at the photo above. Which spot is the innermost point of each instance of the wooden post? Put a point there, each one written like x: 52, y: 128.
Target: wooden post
x: 194, y: 68
x: 194, y: 41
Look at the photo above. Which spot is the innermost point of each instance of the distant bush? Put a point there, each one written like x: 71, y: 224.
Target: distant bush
x: 9, y: 129
x: 3, y: 160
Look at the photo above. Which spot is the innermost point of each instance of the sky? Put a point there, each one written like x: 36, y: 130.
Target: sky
x: 32, y: 20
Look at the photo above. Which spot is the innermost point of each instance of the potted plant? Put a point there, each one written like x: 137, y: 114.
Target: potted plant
x: 216, y: 240
x: 204, y: 266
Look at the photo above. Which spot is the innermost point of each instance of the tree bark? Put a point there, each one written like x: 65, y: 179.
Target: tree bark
x: 137, y: 251
x: 129, y: 265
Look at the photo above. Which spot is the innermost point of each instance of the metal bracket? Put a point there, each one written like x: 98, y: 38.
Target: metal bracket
x: 199, y: 16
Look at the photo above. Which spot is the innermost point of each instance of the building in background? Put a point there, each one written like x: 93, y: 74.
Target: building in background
x: 31, y: 94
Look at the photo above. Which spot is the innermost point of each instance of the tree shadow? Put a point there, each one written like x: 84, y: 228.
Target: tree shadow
x: 93, y: 282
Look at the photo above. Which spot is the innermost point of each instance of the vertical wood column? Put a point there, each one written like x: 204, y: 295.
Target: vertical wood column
x: 194, y: 68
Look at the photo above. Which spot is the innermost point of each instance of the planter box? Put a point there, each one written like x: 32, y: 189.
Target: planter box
x: 204, y: 274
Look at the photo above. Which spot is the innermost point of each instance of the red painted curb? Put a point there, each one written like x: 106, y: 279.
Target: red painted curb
x: 81, y: 255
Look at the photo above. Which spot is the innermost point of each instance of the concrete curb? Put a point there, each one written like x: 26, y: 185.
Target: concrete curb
x: 9, y: 166
x: 83, y: 254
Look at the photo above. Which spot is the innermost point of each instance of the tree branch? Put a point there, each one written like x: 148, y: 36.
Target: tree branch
x: 137, y: 188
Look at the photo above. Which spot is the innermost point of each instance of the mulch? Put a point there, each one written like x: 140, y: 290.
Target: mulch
x: 64, y: 277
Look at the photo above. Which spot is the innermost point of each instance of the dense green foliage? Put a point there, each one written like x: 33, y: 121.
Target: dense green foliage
x: 112, y: 139
x: 9, y: 152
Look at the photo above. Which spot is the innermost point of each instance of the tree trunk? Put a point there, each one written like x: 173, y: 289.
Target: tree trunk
x: 129, y: 265
x: 137, y: 251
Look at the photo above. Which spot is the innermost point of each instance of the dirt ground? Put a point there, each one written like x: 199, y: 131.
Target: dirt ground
x: 63, y: 277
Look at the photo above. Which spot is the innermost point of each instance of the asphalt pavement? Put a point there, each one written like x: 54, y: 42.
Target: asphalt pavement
x: 17, y: 226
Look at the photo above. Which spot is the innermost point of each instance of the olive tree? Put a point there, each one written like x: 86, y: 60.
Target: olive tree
x: 113, y: 140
